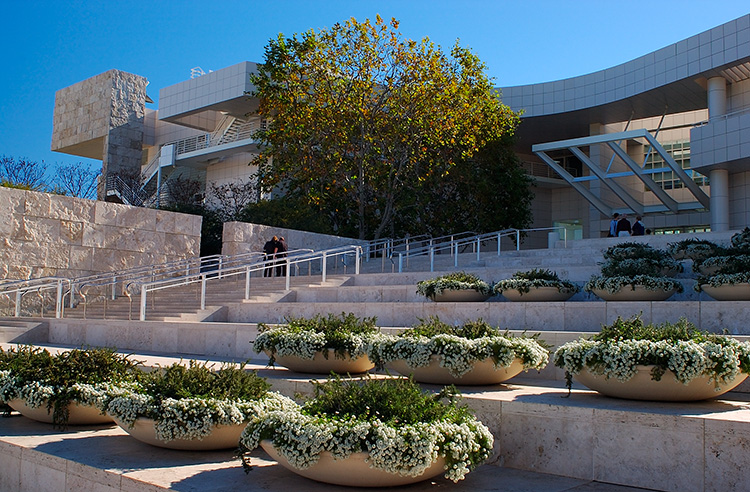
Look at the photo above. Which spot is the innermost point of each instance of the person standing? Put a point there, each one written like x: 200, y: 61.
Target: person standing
x: 623, y: 226
x: 613, y: 225
x: 638, y: 228
x: 270, y: 252
x: 281, y: 251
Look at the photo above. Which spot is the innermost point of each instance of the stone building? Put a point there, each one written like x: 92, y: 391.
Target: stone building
x: 665, y: 136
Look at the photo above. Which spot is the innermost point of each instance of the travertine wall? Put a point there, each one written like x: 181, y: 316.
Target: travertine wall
x: 103, y: 118
x: 43, y: 235
x: 242, y: 237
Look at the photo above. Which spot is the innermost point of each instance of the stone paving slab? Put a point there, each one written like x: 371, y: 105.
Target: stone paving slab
x: 36, y: 457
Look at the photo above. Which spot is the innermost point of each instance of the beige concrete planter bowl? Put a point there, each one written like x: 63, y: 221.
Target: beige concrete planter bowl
x: 320, y: 365
x: 728, y: 292
x: 77, y: 414
x: 538, y: 294
x: 468, y: 295
x: 484, y: 372
x: 642, y: 387
x: 222, y: 436
x: 640, y: 293
x: 352, y: 471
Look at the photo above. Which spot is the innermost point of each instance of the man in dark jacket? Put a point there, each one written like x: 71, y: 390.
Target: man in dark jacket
x: 281, y: 249
x: 270, y: 249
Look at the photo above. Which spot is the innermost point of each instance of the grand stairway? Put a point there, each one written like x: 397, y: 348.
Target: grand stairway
x: 544, y: 440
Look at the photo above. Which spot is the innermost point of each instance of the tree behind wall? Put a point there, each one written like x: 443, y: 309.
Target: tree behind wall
x: 360, y: 119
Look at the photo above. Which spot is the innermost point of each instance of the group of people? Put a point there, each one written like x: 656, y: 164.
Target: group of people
x: 275, y: 252
x: 620, y: 226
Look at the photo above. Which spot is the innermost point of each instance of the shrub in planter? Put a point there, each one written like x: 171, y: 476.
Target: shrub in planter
x: 635, y: 265
x: 694, y: 249
x: 57, y: 382
x: 741, y: 240
x: 346, y: 337
x: 457, y: 281
x: 683, y: 350
x: 187, y: 403
x: 402, y: 429
x: 458, y: 348
x: 524, y: 282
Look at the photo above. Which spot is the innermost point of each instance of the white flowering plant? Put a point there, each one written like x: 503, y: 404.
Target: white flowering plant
x: 453, y: 281
x: 187, y: 402
x: 694, y: 249
x: 523, y: 282
x: 616, y: 284
x: 402, y: 428
x: 680, y: 347
x: 458, y: 348
x: 78, y: 376
x: 635, y: 264
x: 347, y: 335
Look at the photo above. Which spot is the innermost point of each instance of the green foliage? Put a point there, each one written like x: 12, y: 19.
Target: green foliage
x: 471, y: 329
x: 392, y: 401
x: 741, y: 240
x: 453, y: 281
x: 197, y: 380
x: 346, y: 334
x: 289, y: 212
x: 28, y: 364
x: 523, y: 282
x: 361, y: 119
x: 694, y: 249
x: 486, y: 193
x: 635, y: 329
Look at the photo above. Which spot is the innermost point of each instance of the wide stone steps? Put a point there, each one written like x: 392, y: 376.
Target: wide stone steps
x: 545, y: 440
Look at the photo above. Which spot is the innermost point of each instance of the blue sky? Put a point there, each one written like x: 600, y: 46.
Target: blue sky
x: 48, y: 45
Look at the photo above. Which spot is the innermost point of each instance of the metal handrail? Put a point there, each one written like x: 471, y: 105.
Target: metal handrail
x: 246, y: 270
x: 475, y: 242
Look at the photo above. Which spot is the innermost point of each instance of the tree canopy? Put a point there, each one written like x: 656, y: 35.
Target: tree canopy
x: 361, y: 121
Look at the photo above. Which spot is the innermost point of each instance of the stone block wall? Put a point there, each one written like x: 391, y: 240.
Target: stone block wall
x: 51, y: 235
x: 242, y: 237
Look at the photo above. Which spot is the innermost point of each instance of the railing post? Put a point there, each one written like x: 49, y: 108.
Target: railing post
x: 143, y: 303
x: 479, y: 247
x: 247, y: 283
x: 288, y: 275
x: 72, y: 295
x: 432, y: 257
x: 203, y: 291
x: 499, y: 237
x: 58, y: 303
x: 323, y: 267
x: 452, y: 244
x: 565, y: 237
x: 18, y: 303
x: 400, y: 262
x: 367, y: 251
x: 518, y: 240
x: 358, y: 258
x: 455, y: 256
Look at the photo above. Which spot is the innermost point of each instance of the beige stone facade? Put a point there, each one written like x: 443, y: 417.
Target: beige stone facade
x: 52, y: 235
x: 242, y: 237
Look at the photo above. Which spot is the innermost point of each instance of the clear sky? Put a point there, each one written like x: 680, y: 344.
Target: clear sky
x: 48, y: 45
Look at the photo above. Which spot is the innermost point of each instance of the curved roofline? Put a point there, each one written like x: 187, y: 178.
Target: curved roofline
x: 672, y: 78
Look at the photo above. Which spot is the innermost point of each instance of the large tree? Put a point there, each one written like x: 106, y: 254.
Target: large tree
x: 360, y: 119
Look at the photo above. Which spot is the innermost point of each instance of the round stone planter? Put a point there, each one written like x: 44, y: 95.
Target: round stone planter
x: 484, y: 372
x: 728, y: 292
x: 221, y: 437
x: 642, y: 387
x: 538, y: 294
x: 353, y: 471
x: 626, y: 293
x: 321, y: 365
x: 468, y: 295
x: 77, y: 414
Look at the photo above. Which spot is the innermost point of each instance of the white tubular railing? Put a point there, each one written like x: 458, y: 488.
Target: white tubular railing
x: 292, y: 259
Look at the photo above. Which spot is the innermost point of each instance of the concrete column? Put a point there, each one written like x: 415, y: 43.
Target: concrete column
x: 717, y: 97
x: 717, y: 106
x: 719, y: 200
